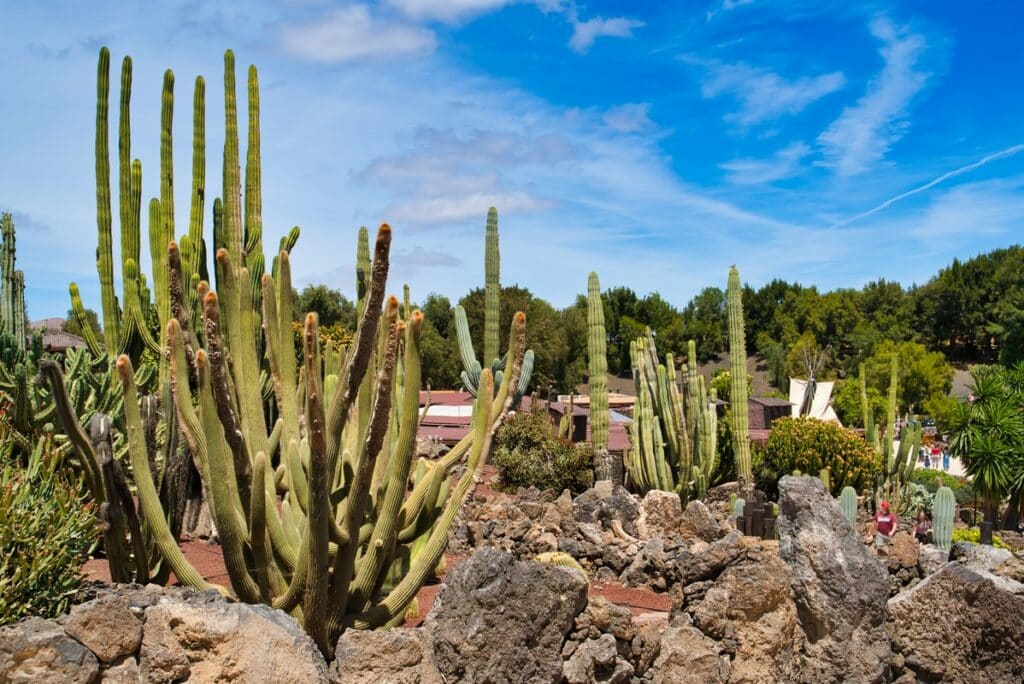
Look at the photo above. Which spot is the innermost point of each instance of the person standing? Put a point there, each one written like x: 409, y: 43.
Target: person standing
x: 922, y: 527
x: 886, y: 523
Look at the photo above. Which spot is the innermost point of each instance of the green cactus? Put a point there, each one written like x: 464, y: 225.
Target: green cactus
x: 674, y: 433
x: 943, y: 508
x: 737, y: 507
x: 606, y: 466
x: 738, y: 386
x: 848, y: 502
x: 492, y: 315
x: 898, y: 463
x: 824, y: 476
x: 562, y: 560
x: 12, y: 288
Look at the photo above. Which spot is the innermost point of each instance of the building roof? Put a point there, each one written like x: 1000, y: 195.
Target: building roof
x: 770, y: 401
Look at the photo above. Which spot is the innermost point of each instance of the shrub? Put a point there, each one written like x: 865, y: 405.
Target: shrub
x: 973, y: 535
x: 926, y: 477
x: 44, y: 535
x: 528, y: 453
x: 808, y: 445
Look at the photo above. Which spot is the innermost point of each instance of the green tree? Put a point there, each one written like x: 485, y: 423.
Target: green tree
x: 704, y: 322
x: 923, y: 374
x: 72, y: 326
x: 331, y: 306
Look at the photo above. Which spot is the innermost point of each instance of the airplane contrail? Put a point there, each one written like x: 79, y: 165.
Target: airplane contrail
x: 1001, y: 154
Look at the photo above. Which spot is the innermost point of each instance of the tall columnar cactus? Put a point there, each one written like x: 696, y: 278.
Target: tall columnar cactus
x: 606, y: 466
x: 899, y: 457
x: 492, y: 316
x: 12, y: 287
x: 848, y: 503
x: 738, y: 382
x: 356, y: 529
x: 943, y: 508
x: 673, y: 438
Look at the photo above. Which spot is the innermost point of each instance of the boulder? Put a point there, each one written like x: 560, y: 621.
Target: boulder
x: 38, y: 650
x: 699, y: 523
x: 597, y: 660
x: 960, y: 625
x: 930, y: 558
x: 498, y: 619
x: 607, y: 617
x: 904, y: 550
x: 839, y: 586
x: 1012, y: 568
x: 122, y: 671
x: 401, y: 656
x: 661, y: 515
x: 204, y: 638
x: 710, y: 560
x: 106, y: 626
x: 604, y: 504
x: 689, y: 656
x: 978, y: 556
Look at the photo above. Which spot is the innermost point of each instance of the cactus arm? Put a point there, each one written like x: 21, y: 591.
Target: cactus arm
x: 88, y: 334
x: 253, y: 184
x: 262, y: 557
x: 195, y: 223
x: 399, y: 597
x: 597, y: 361
x: 738, y: 379
x: 471, y: 367
x: 492, y: 287
x: 105, y: 251
x: 149, y: 500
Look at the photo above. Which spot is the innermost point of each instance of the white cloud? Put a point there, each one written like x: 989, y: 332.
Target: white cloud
x: 351, y: 33
x: 629, y: 118
x: 453, y: 209
x: 764, y: 95
x: 783, y: 164
x: 972, y: 209
x: 450, y: 11
x: 864, y: 132
x: 584, y: 33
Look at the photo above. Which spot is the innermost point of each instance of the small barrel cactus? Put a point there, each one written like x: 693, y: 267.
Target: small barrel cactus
x: 848, y: 502
x: 562, y: 560
x: 737, y: 507
x: 942, y: 518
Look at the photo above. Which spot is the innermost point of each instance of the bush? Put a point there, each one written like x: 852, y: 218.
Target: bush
x: 808, y: 445
x: 973, y: 535
x: 45, y: 533
x: 926, y: 477
x: 528, y: 453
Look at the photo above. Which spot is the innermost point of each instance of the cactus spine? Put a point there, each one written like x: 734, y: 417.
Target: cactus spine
x: 738, y: 383
x: 606, y: 467
x: 848, y: 502
x: 471, y: 367
x: 942, y: 517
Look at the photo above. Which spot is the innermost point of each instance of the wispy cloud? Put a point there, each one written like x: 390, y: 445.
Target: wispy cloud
x: 450, y: 11
x: 785, y: 163
x: 584, y: 33
x: 629, y: 118
x: 864, y: 132
x: 441, y: 211
x: 352, y: 33
x: 764, y: 95
x: 988, y: 159
x: 994, y: 207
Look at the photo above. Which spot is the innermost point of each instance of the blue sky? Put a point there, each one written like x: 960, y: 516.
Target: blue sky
x: 654, y: 142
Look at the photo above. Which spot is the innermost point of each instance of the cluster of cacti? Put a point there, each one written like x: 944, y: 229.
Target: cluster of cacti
x: 471, y: 367
x: 674, y: 435
x: 898, y: 461
x: 357, y: 528
x: 12, y: 287
x: 943, y: 508
x: 738, y: 387
x: 848, y: 503
x: 606, y: 465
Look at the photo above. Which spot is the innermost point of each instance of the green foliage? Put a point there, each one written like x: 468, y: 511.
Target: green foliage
x: 923, y: 375
x: 73, y: 325
x: 932, y: 480
x: 722, y: 383
x: 847, y: 402
x: 333, y: 308
x: 943, y: 410
x: 528, y: 453
x: 44, y: 536
x: 808, y: 445
x: 973, y: 536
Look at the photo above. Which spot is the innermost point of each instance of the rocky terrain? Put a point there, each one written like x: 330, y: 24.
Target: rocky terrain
x: 813, y: 606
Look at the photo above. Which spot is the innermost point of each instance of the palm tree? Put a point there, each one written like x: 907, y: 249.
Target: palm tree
x: 988, y: 436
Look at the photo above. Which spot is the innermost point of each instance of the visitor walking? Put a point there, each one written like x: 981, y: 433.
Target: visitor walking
x: 885, y: 525
x: 922, y: 527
